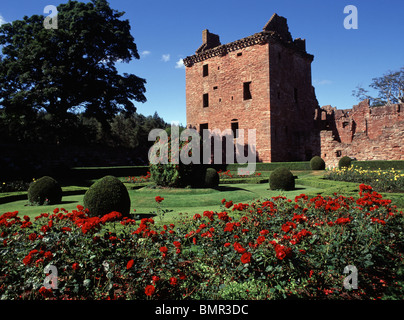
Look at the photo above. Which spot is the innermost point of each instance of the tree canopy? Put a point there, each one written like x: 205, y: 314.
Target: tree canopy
x: 390, y: 88
x: 69, y: 68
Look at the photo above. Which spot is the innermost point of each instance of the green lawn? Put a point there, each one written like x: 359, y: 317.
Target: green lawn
x: 193, y: 201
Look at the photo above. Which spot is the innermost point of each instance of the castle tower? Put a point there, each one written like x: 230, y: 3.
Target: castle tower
x: 260, y: 82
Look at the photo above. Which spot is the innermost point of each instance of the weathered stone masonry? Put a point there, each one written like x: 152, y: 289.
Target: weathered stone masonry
x: 363, y: 132
x: 263, y: 82
x: 260, y: 82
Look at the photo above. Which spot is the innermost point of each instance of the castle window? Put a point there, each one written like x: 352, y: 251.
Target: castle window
x: 234, y: 128
x: 295, y: 95
x: 215, y: 88
x: 203, y: 126
x: 205, y: 70
x: 247, y: 91
x: 338, y: 153
x: 206, y: 100
x: 239, y: 54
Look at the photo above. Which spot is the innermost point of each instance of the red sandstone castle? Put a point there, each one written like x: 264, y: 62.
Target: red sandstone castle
x: 263, y: 82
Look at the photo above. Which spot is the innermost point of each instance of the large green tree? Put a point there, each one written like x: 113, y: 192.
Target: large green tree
x: 69, y: 68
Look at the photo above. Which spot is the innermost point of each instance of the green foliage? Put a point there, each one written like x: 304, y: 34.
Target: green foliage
x: 317, y: 163
x: 45, y: 190
x: 211, y: 178
x: 172, y: 174
x: 107, y: 195
x: 274, y: 249
x: 74, y: 65
x: 282, y: 179
x: 344, y: 162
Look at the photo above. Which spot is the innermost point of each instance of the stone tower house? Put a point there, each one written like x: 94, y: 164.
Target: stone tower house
x: 260, y: 82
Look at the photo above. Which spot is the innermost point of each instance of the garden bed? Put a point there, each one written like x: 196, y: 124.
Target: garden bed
x: 277, y: 248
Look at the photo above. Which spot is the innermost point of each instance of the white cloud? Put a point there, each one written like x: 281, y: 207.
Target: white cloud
x: 2, y: 20
x: 179, y: 64
x: 145, y: 53
x: 165, y: 57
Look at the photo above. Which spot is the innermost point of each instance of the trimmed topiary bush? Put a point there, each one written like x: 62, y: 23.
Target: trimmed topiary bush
x: 106, y: 195
x: 282, y: 179
x: 317, y: 163
x: 211, y: 178
x: 45, y: 190
x: 344, y: 162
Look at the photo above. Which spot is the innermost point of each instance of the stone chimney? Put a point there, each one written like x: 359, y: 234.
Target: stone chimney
x: 209, y: 41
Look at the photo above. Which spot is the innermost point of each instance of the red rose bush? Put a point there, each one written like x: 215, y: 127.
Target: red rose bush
x: 274, y: 249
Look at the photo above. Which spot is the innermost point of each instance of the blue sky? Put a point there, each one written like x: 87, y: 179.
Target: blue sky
x: 167, y: 31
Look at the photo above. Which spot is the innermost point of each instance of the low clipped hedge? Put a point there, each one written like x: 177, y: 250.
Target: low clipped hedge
x: 379, y: 164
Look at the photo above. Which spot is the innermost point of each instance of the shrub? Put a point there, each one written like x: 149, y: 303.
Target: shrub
x: 211, y: 178
x: 282, y: 179
x: 275, y: 249
x: 176, y: 174
x: 317, y: 163
x: 45, y: 190
x: 344, y: 162
x: 107, y: 195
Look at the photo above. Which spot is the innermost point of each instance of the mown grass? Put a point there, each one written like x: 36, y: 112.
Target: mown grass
x: 191, y: 201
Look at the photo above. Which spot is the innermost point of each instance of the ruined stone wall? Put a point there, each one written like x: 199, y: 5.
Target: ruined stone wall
x: 363, y: 132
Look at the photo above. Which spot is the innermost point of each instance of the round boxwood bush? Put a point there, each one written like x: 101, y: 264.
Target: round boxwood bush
x: 344, y: 162
x: 106, y: 195
x: 45, y: 190
x: 317, y: 163
x: 282, y: 179
x: 211, y: 178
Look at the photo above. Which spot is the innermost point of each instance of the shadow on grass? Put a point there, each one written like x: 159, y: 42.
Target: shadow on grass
x: 228, y: 188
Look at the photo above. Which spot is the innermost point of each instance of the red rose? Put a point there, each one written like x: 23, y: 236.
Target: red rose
x: 159, y: 199
x: 32, y: 236
x: 228, y: 204
x: 177, y: 244
x: 75, y: 266
x: 149, y: 290
x: 173, y: 281
x: 163, y: 250
x: 246, y: 257
x: 130, y: 264
x: 46, y: 293
x: 27, y: 260
x: 239, y: 248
